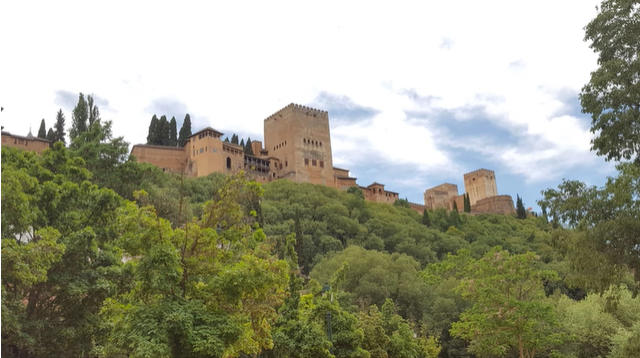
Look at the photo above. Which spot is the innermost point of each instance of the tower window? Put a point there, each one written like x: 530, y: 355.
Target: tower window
x: 314, y: 163
x: 286, y: 163
x: 306, y: 161
x: 228, y: 163
x: 321, y: 164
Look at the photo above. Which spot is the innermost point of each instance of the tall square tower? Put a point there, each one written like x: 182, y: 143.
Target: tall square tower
x: 480, y: 184
x: 299, y: 138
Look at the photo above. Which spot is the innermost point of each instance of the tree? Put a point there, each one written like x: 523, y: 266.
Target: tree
x: 185, y: 131
x: 42, y: 132
x: 173, y: 132
x: 59, y: 128
x: 208, y: 288
x: 164, y: 132
x: 455, y: 207
x: 51, y: 135
x: 94, y: 112
x: 520, y: 210
x: 425, y: 218
x: 604, y: 245
x: 80, y: 116
x: 402, y: 203
x: 234, y: 139
x: 612, y: 96
x: 247, y: 147
x: 242, y: 143
x: 467, y: 203
x: 509, y: 313
x: 58, y: 258
x: 152, y: 137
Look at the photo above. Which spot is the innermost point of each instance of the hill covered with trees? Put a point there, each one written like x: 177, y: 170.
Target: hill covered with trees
x: 106, y: 257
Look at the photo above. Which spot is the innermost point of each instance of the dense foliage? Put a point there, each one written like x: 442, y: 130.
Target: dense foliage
x: 106, y: 257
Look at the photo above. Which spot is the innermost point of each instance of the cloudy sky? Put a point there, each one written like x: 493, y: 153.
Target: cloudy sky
x: 418, y: 93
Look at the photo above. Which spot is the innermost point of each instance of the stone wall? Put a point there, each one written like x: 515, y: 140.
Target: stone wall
x: 480, y: 184
x: 500, y: 204
x: 168, y: 158
x: 440, y: 196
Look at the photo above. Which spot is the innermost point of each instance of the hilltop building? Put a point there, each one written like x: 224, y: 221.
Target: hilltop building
x: 29, y: 142
x: 297, y: 147
x: 482, y: 189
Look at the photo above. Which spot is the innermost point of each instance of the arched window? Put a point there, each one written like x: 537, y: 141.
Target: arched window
x: 228, y: 163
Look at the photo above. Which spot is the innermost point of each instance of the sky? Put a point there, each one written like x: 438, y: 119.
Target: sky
x: 418, y: 92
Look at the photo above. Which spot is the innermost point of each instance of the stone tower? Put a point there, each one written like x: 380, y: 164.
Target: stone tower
x: 480, y: 184
x: 299, y: 138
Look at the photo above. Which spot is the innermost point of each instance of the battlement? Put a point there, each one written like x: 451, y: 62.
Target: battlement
x: 444, y: 186
x: 480, y: 171
x: 299, y: 109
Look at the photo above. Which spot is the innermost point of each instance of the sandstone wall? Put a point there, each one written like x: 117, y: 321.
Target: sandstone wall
x: 168, y: 158
x: 34, y: 144
x: 480, y: 184
x: 501, y: 204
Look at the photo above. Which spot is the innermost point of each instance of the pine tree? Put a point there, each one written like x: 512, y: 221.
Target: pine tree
x: 234, y: 138
x: 42, y: 132
x: 467, y: 203
x: 79, y: 116
x: 58, y: 128
x: 520, y: 210
x: 185, y: 131
x: 173, y: 132
x: 247, y: 147
x: 425, y: 218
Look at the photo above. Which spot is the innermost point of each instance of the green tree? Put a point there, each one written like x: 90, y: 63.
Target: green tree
x: 455, y: 207
x: 58, y: 258
x: 164, y: 132
x: 425, y: 218
x: 80, y: 116
x: 467, y: 203
x: 58, y: 128
x: 173, y: 132
x: 93, y: 111
x: 612, y: 96
x: 206, y: 289
x: 520, y: 210
x: 51, y: 135
x: 242, y: 143
x: 185, y: 131
x: 152, y: 137
x: 42, y: 132
x: 234, y: 139
x: 509, y: 313
x: 402, y: 203
x: 604, y: 246
x: 247, y: 147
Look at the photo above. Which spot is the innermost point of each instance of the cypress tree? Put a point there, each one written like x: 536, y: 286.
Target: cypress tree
x: 226, y: 139
x: 454, y: 216
x: 247, y: 147
x: 242, y: 143
x: 152, y: 137
x: 455, y: 207
x: 164, y: 132
x: 79, y: 117
x: 42, y: 132
x: 185, y: 131
x: 520, y: 210
x: 234, y: 138
x: 467, y: 203
x: 425, y: 218
x: 51, y: 135
x: 58, y: 128
x: 173, y: 135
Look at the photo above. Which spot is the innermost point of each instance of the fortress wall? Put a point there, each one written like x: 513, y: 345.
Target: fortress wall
x: 35, y: 144
x: 417, y: 207
x: 459, y: 200
x: 480, y: 184
x: 500, y: 204
x: 168, y: 158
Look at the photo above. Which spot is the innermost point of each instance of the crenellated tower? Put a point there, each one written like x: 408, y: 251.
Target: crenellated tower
x: 480, y: 184
x: 299, y: 137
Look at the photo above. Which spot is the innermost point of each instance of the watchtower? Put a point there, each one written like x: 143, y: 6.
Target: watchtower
x: 299, y: 138
x: 480, y: 184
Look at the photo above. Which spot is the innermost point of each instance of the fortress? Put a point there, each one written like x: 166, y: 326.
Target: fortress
x: 297, y: 147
